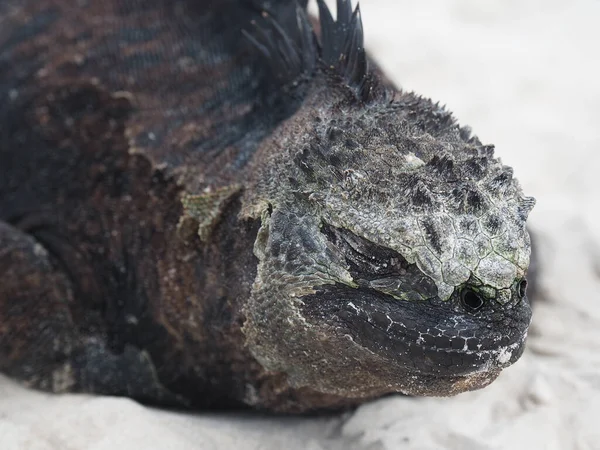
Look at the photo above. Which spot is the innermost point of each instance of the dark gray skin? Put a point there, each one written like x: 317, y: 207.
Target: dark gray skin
x: 203, y: 205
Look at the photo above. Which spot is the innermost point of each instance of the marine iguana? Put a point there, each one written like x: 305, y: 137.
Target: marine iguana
x: 226, y: 203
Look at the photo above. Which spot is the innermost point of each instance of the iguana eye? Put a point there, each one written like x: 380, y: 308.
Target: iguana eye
x: 522, y: 288
x: 471, y: 300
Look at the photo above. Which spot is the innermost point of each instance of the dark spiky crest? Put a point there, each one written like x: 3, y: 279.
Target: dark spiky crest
x: 292, y: 50
x: 342, y: 43
x: 287, y: 43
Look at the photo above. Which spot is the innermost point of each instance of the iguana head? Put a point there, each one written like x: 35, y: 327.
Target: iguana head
x: 393, y: 249
x: 392, y: 255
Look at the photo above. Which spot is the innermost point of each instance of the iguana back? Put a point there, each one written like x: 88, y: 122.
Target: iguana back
x: 112, y: 111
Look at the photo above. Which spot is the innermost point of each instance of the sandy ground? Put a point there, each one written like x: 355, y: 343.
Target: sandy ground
x: 525, y: 74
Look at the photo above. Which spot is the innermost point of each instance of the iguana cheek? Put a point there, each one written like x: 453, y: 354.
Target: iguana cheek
x: 293, y: 258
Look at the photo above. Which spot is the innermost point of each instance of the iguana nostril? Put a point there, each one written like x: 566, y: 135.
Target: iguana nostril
x: 471, y: 300
x: 522, y: 288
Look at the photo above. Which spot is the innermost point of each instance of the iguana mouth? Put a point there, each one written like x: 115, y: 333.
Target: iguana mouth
x: 425, y: 337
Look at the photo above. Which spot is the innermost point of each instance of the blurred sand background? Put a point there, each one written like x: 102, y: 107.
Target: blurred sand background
x: 525, y: 75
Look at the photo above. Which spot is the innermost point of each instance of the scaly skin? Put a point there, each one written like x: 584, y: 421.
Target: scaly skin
x: 201, y: 206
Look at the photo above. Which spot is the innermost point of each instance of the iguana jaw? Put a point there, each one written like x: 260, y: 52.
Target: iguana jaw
x: 432, y: 337
x: 344, y: 343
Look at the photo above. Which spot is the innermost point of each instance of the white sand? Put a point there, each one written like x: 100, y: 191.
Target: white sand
x: 525, y: 74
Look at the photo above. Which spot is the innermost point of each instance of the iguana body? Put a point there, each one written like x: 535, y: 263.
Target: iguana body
x: 201, y: 205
